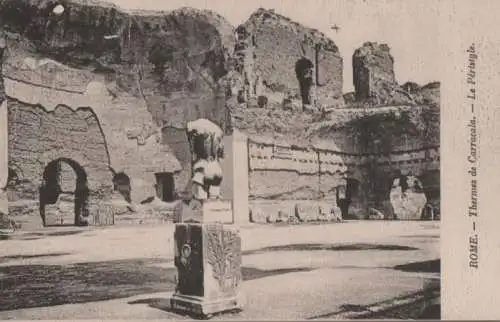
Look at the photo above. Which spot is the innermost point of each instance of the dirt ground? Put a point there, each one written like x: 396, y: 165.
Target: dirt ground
x: 355, y: 269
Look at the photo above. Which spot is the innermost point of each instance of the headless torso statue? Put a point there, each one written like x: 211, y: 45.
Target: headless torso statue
x: 205, y: 139
x: 205, y: 143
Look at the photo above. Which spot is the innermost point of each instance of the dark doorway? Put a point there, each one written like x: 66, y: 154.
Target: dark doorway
x: 352, y: 190
x: 345, y: 194
x: 121, y: 184
x: 165, y: 186
x: 65, y: 181
x: 304, y: 70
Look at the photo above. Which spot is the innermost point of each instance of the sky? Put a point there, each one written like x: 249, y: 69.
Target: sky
x: 410, y: 27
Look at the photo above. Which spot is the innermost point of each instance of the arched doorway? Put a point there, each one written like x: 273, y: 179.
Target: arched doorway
x: 64, y: 182
x: 304, y: 70
x: 407, y: 197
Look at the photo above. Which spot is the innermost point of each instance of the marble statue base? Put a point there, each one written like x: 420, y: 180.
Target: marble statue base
x: 202, y: 307
x: 207, y: 211
x: 208, y: 262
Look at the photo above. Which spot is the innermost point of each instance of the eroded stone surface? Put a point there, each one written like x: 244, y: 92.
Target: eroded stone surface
x: 373, y: 67
x: 133, y: 71
x: 129, y: 82
x: 273, y: 45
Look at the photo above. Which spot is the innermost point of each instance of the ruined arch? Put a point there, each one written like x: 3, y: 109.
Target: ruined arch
x: 304, y: 71
x: 95, y: 179
x: 51, y: 191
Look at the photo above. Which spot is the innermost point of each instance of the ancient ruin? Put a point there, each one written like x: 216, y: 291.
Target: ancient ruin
x: 373, y: 68
x: 96, y: 101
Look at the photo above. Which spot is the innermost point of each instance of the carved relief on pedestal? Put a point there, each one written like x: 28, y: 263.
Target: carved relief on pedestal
x: 222, y: 249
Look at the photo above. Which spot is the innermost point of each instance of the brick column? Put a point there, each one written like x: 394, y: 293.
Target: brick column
x: 4, y: 137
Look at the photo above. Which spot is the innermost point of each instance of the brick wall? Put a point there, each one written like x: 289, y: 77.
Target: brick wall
x: 278, y: 39
x: 280, y: 175
x: 35, y: 133
x: 177, y: 139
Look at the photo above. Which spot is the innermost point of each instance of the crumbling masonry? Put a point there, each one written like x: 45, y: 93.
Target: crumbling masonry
x: 95, y: 101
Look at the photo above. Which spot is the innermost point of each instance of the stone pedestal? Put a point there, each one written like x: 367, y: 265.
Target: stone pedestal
x: 208, y: 262
x: 207, y: 243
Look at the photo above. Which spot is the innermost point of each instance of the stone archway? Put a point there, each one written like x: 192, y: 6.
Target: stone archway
x: 57, y: 178
x: 407, y: 197
x: 304, y: 70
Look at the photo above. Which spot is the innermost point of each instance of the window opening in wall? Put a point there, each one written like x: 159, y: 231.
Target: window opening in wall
x: 12, y: 178
x: 304, y: 70
x: 165, y: 186
x: 121, y: 184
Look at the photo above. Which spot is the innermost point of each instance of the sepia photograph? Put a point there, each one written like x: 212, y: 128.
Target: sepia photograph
x: 183, y: 159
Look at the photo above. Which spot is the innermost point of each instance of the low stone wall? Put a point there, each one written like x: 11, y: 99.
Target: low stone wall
x: 279, y: 173
x: 270, y: 211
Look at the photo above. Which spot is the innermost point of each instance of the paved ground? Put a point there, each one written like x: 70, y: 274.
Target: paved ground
x: 348, y: 270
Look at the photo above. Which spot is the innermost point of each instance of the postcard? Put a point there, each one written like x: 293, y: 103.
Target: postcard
x: 265, y: 160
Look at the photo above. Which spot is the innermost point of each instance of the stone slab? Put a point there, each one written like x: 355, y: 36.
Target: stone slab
x: 199, y: 306
x: 208, y: 211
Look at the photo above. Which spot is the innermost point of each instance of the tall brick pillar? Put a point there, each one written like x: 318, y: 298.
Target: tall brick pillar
x: 4, y: 139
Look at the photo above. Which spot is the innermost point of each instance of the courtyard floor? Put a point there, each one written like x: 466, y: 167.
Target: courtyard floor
x: 358, y: 269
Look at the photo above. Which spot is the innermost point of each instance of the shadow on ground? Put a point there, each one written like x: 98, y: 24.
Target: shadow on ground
x: 35, y: 235
x: 330, y: 247
x: 4, y: 259
x: 432, y: 266
x: 27, y: 286
x: 421, y: 305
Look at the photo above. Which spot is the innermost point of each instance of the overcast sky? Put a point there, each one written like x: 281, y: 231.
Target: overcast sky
x: 409, y: 27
